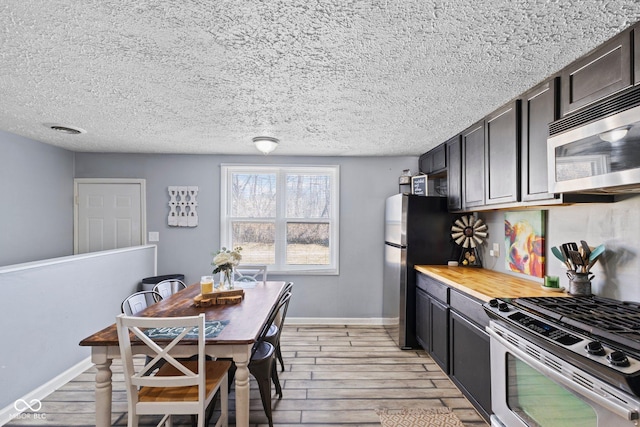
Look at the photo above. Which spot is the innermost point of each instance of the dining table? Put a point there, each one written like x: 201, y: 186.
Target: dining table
x: 243, y: 324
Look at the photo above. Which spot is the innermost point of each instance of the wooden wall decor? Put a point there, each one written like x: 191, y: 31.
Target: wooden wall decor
x: 182, y: 206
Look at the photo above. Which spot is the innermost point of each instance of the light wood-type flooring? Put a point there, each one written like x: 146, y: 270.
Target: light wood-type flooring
x: 334, y: 376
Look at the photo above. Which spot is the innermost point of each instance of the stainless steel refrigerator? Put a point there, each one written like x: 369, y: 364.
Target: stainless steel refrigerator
x: 417, y: 231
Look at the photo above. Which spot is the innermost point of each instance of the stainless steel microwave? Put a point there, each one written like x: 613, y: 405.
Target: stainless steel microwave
x: 601, y: 155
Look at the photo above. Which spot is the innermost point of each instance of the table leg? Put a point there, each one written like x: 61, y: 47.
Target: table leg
x: 103, y: 389
x: 241, y: 356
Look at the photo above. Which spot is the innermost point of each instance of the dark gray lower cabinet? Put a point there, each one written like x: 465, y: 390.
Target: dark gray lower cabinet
x: 450, y: 327
x: 470, y: 362
x: 440, y: 334
x: 423, y: 311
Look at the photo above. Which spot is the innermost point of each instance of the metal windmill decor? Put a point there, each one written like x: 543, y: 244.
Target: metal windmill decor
x: 469, y: 233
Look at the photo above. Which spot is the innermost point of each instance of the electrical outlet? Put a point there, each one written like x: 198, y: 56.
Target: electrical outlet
x: 496, y: 250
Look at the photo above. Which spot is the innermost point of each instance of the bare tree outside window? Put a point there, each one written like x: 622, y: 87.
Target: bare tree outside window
x: 283, y: 216
x: 309, y: 198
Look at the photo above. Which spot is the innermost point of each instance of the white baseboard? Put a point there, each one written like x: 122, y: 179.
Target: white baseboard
x: 364, y: 321
x: 15, y: 409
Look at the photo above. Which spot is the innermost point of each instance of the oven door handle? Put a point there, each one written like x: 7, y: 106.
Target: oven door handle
x: 629, y: 413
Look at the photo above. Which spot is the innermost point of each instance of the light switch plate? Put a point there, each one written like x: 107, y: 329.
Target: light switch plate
x: 154, y: 236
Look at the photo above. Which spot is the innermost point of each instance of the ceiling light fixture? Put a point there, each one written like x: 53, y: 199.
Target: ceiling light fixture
x: 65, y: 129
x: 614, y: 135
x: 265, y: 144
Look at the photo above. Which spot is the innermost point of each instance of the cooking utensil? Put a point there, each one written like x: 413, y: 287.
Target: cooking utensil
x: 593, y: 257
x: 577, y: 260
x: 596, y: 252
x: 558, y: 254
x: 565, y: 252
x: 587, y: 251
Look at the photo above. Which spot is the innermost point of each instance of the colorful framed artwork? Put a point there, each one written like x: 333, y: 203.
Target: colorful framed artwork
x: 525, y: 242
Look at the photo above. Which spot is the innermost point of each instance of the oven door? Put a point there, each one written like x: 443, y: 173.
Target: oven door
x: 531, y: 387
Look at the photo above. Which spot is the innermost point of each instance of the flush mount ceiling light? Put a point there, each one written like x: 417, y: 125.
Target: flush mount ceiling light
x: 70, y: 130
x: 265, y: 144
x: 614, y: 135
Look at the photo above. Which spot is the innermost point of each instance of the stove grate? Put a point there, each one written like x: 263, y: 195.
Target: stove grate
x: 616, y: 321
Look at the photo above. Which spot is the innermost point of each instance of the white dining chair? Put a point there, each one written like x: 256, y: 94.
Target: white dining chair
x: 180, y: 386
x: 250, y: 273
x: 138, y: 301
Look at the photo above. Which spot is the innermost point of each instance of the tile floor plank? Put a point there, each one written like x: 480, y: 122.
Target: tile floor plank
x: 335, y: 376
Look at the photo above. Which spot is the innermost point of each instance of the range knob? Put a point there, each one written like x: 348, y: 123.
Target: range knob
x: 595, y: 348
x: 494, y: 303
x: 503, y: 306
x: 618, y: 358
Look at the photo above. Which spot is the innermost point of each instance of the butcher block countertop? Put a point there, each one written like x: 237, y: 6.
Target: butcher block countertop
x: 486, y: 284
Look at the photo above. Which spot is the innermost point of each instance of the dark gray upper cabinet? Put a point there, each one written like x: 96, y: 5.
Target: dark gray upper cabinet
x: 604, y: 71
x: 424, y: 163
x: 502, y: 143
x: 473, y: 166
x: 454, y: 173
x: 434, y: 160
x: 540, y: 106
x: 636, y: 53
x: 439, y: 155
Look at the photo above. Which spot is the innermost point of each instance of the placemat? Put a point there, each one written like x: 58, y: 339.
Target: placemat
x: 212, y: 329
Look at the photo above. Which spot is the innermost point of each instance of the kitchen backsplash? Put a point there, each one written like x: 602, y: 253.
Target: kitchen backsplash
x: 617, y: 225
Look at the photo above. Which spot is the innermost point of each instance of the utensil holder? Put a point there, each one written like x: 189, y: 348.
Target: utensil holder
x: 579, y: 283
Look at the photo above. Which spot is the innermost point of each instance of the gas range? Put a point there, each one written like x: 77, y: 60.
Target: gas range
x: 598, y: 335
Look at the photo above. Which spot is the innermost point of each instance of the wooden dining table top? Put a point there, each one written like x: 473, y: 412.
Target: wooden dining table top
x: 245, y: 319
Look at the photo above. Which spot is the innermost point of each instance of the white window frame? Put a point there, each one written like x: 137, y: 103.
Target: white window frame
x: 280, y: 267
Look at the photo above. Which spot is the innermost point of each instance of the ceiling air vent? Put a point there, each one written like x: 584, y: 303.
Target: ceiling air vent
x: 70, y: 130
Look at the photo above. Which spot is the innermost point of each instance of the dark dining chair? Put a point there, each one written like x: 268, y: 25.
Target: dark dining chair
x: 273, y: 335
x: 262, y: 363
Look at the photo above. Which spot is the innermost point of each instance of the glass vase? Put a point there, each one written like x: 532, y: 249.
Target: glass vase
x: 227, y: 281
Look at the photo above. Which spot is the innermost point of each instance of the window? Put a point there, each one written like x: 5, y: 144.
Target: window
x: 284, y: 217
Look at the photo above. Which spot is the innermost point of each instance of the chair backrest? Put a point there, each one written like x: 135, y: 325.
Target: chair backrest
x: 286, y: 297
x: 137, y: 302
x: 280, y: 309
x: 279, y: 320
x: 171, y: 330
x: 287, y: 288
x: 168, y: 287
x: 250, y: 273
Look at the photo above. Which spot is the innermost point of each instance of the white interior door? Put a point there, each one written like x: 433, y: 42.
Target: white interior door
x: 109, y: 214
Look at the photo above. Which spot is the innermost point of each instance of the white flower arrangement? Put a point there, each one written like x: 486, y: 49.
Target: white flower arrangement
x: 225, y: 259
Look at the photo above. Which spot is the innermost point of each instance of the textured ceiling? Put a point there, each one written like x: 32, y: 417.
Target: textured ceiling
x: 326, y: 77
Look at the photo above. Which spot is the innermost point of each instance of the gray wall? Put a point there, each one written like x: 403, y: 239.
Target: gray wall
x: 38, y: 223
x: 616, y: 225
x: 48, y: 307
x: 36, y: 183
x: 365, y: 183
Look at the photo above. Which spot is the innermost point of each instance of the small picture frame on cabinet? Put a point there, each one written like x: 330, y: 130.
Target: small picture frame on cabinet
x: 419, y: 185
